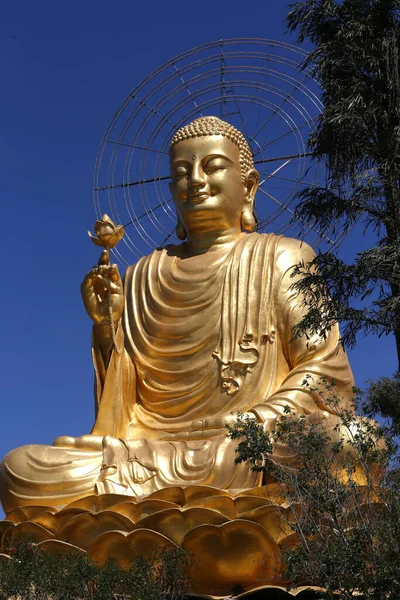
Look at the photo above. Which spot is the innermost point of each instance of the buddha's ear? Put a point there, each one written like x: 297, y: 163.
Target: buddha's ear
x: 251, y: 185
x: 248, y: 220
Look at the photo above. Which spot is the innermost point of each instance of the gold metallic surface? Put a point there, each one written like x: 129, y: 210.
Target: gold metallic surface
x: 125, y: 546
x: 231, y: 508
x: 194, y: 334
x: 56, y: 546
x: 220, y: 551
x: 28, y: 530
x: 4, y: 557
x: 27, y: 513
x: 176, y: 523
x: 5, y: 528
x: 233, y: 542
x: 182, y: 496
x: 277, y: 521
x: 143, y: 509
x: 97, y: 503
x: 83, y: 529
x: 108, y: 234
x: 48, y: 520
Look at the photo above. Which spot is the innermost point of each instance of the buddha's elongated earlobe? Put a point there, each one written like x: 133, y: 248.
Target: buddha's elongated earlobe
x: 248, y: 220
x: 180, y: 231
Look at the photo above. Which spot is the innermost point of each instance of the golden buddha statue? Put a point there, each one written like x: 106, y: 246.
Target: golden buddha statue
x: 204, y: 330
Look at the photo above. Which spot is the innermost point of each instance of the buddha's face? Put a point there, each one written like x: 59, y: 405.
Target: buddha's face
x: 207, y: 185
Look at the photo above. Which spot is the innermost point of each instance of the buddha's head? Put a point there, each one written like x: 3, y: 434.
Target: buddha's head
x: 213, y: 177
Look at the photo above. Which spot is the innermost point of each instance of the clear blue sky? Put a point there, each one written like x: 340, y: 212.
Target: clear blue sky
x: 65, y: 68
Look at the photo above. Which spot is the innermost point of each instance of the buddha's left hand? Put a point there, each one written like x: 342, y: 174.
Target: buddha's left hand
x: 84, y: 442
x: 217, y: 422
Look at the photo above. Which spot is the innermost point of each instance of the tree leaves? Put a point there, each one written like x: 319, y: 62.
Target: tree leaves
x: 32, y: 574
x: 342, y: 486
x: 357, y: 138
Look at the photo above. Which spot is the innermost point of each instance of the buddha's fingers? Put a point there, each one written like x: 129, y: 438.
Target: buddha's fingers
x: 201, y: 434
x: 84, y: 442
x: 87, y: 283
x: 220, y: 422
x: 114, y: 274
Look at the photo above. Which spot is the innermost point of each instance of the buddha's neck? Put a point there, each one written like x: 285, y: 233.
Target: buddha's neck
x: 201, y: 242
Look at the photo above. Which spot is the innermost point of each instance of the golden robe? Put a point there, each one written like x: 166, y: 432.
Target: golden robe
x: 200, y: 339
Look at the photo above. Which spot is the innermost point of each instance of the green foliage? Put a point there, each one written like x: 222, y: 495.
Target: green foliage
x: 382, y: 400
x: 356, y: 60
x: 254, y: 445
x: 349, y: 533
x: 32, y: 574
x: 342, y: 485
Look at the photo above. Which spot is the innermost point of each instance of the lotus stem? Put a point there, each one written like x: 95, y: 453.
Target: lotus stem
x: 110, y: 313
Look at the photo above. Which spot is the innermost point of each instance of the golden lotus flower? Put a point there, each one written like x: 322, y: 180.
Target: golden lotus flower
x: 108, y: 234
x: 235, y: 539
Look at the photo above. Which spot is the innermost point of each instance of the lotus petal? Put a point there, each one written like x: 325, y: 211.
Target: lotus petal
x: 95, y: 239
x: 236, y: 554
x: 109, y: 240
x: 223, y: 504
x: 126, y: 524
x: 27, y: 512
x: 273, y: 492
x: 246, y: 504
x: 104, y: 229
x: 232, y: 508
x: 48, y: 520
x: 275, y: 519
x: 103, y: 222
x: 182, y: 496
x: 268, y: 592
x: 82, y: 530
x: 97, y: 503
x: 125, y: 546
x: 56, y: 546
x: 107, y: 232
x: 4, y: 557
x: 5, y: 526
x: 67, y: 513
x: 175, y: 523
x: 36, y: 533
x: 289, y: 542
x: 136, y: 511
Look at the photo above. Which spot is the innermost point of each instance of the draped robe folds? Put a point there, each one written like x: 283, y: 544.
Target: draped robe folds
x: 199, y: 340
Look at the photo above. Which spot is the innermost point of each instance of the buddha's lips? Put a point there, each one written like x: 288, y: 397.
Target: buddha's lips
x: 197, y: 198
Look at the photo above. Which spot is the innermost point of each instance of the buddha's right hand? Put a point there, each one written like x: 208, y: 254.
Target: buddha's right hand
x: 102, y: 287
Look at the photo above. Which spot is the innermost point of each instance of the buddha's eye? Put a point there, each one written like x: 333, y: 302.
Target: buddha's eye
x: 181, y: 171
x: 213, y: 167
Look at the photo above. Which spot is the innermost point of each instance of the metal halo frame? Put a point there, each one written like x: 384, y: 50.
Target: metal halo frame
x: 257, y: 85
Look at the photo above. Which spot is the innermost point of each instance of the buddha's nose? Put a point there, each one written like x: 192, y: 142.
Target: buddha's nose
x: 197, y: 177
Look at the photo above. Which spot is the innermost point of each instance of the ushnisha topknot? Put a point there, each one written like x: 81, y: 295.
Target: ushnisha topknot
x: 214, y: 126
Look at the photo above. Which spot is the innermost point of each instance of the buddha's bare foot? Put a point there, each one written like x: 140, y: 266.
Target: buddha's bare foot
x: 83, y: 442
